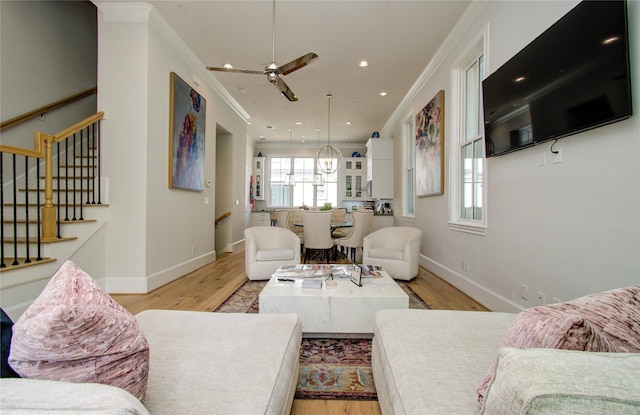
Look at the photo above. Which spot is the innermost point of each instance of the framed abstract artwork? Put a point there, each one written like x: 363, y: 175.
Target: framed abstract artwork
x: 429, y: 149
x: 187, y: 120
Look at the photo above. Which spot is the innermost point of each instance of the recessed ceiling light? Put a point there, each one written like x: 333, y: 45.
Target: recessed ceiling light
x: 520, y: 79
x: 383, y: 94
x: 610, y: 40
x: 363, y: 64
x: 298, y: 123
x: 348, y: 122
x: 227, y: 66
x: 183, y: 8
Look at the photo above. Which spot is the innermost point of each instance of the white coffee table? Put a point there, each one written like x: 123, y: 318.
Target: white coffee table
x: 343, y: 310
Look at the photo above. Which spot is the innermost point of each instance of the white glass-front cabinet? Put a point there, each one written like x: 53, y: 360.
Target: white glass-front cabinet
x: 354, y: 178
x: 258, y: 177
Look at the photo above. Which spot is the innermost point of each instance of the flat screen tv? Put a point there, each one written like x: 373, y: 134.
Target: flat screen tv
x: 573, y: 77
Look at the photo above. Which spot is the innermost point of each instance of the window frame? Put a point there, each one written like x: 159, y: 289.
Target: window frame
x: 408, y: 169
x: 303, y: 178
x: 458, y: 87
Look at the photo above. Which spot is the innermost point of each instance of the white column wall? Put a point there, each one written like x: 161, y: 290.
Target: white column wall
x: 156, y: 234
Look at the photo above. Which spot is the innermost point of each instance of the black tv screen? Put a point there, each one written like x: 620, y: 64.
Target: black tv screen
x: 573, y: 77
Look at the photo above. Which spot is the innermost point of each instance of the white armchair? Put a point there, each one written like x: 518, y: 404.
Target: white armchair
x: 268, y: 247
x: 396, y: 249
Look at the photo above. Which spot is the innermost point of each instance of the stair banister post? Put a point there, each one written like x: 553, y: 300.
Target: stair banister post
x: 48, y: 210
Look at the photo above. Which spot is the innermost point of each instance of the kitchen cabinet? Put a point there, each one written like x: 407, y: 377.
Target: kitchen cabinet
x: 260, y: 219
x: 354, y: 178
x: 380, y: 168
x: 258, y: 177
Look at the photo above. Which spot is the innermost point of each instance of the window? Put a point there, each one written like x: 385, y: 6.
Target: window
x: 472, y: 143
x: 409, y: 171
x: 468, y: 195
x: 303, y: 192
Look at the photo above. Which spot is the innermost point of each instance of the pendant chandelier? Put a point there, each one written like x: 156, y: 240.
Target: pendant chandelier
x: 289, y: 179
x: 329, y: 157
x: 317, y: 178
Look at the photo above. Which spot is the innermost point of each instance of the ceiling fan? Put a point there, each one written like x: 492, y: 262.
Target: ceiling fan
x: 273, y: 71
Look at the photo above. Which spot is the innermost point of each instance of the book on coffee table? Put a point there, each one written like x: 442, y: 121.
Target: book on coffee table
x: 312, y: 284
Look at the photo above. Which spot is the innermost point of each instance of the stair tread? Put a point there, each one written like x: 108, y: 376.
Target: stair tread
x: 34, y: 240
x: 70, y: 221
x: 22, y: 264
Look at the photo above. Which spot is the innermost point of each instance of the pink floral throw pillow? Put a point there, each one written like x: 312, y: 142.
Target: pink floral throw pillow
x: 74, y: 331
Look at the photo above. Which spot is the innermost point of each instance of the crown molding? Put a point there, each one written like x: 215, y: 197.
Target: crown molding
x: 452, y: 39
x: 124, y: 11
x: 145, y: 12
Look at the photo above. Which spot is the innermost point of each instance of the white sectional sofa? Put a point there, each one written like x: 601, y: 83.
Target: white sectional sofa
x: 579, y: 357
x: 200, y: 363
x: 432, y: 361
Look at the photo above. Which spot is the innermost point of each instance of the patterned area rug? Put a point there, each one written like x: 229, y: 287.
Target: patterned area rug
x: 329, y: 368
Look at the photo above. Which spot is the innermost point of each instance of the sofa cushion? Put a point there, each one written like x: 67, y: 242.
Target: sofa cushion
x: 602, y: 322
x: 384, y: 253
x: 45, y: 397
x: 6, y: 331
x: 74, y: 331
x: 550, y: 381
x: 283, y: 254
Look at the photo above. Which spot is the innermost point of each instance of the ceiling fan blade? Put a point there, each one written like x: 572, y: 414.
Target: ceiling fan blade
x: 250, y: 71
x: 296, y: 64
x: 284, y: 89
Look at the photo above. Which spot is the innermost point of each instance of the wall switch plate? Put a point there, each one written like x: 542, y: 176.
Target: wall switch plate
x: 206, y: 200
x: 542, y: 158
x: 524, y: 292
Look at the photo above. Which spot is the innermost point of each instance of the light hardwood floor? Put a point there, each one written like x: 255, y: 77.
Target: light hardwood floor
x: 206, y: 288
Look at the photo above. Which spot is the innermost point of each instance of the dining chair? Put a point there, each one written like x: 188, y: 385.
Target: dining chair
x: 317, y: 233
x: 361, y: 227
x: 295, y: 216
x: 282, y: 218
x: 338, y: 216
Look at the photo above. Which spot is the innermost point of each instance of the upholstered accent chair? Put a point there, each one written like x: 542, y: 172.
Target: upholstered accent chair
x: 396, y: 249
x: 317, y: 233
x: 361, y: 227
x: 268, y: 247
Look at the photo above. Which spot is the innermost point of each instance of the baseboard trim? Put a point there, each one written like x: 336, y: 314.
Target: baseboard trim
x: 481, y: 294
x: 144, y: 285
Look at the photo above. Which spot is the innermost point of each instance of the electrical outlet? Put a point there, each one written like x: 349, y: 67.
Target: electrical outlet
x: 524, y: 292
x: 541, y: 299
x: 557, y: 156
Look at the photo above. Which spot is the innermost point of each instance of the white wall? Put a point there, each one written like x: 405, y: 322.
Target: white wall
x: 43, y: 59
x: 565, y: 229
x: 153, y: 228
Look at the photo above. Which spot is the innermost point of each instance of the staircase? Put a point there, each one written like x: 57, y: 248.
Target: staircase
x: 52, y: 205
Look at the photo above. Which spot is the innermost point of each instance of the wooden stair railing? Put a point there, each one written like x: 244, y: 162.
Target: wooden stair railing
x: 221, y: 218
x: 49, y: 215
